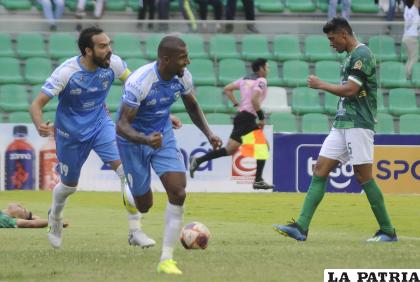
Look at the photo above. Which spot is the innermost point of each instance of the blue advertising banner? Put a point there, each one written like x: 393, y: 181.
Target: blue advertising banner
x: 396, y: 167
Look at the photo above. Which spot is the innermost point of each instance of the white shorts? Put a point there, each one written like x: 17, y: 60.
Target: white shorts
x: 354, y: 145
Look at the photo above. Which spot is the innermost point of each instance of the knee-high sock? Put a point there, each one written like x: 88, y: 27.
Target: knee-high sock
x: 377, y: 204
x: 314, y: 196
x: 260, y: 168
x: 212, y: 155
x: 173, y: 224
x: 59, y: 199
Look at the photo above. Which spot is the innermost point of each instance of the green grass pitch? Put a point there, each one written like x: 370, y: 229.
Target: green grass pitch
x: 243, y: 246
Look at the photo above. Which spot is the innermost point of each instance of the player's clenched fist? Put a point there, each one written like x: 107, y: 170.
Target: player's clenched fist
x: 154, y: 140
x: 45, y: 129
x: 313, y: 82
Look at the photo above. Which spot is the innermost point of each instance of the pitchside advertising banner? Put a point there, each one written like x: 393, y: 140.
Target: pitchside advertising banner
x: 396, y: 164
x: 28, y: 163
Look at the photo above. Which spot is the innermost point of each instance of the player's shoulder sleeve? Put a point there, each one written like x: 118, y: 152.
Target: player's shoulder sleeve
x: 362, y: 64
x: 138, y: 86
x: 119, y: 67
x: 58, y: 80
x: 187, y: 82
x: 260, y: 84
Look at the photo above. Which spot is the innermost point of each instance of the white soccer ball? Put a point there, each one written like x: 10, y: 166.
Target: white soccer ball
x: 195, y: 235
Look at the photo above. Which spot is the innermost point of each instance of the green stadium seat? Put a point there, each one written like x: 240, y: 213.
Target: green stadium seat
x: 300, y: 6
x: 364, y: 6
x: 202, y: 72
x: 409, y: 124
x: 10, y: 71
x: 295, y: 73
x: 383, y: 47
x: 178, y: 106
x: 331, y: 102
x: 30, y: 45
x: 273, y: 77
x: 305, y: 100
x: 385, y: 124
x: 134, y: 5
x: 276, y: 100
x: 286, y: 47
x: 127, y: 45
x: 210, y: 99
x: 402, y: 101
x: 17, y: 4
x: 116, y: 5
x: 6, y: 49
x: 315, y: 123
x: 195, y: 45
x: 62, y: 45
x: 255, y: 46
x: 135, y: 63
x: 328, y: 71
x: 37, y: 70
x: 317, y: 48
x: 184, y: 117
x: 223, y: 46
x: 72, y: 5
x: 19, y: 117
x: 113, y: 100
x: 283, y: 122
x: 392, y: 74
x: 13, y: 98
x: 49, y: 116
x: 152, y: 43
x: 415, y: 75
x: 323, y: 5
x: 218, y: 118
x: 269, y: 6
x: 380, y: 104
x: 230, y: 70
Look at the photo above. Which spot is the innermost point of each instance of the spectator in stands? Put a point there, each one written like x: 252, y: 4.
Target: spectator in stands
x: 249, y: 14
x: 97, y: 13
x: 390, y: 15
x: 184, y: 7
x: 345, y: 11
x: 411, y: 34
x: 52, y: 14
x: 217, y: 9
x: 146, y: 6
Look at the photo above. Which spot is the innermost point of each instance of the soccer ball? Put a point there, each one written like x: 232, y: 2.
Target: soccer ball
x: 195, y: 235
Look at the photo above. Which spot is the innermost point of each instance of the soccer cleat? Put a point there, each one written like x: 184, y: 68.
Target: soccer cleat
x: 168, y: 266
x: 193, y: 166
x: 262, y: 185
x: 291, y: 230
x: 55, y: 228
x: 381, y: 236
x: 139, y: 238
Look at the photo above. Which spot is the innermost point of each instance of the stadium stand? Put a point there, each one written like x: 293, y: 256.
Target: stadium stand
x: 203, y: 72
x: 219, y: 118
x: 409, y: 124
x: 315, y: 123
x: 283, y: 122
x: 127, y: 45
x: 62, y: 45
x: 223, y: 46
x: 37, y: 70
x: 210, y: 99
x: 13, y: 97
x: 286, y: 47
x: 305, y: 100
x: 255, y: 46
x: 385, y: 124
x: 276, y: 100
x: 402, y: 101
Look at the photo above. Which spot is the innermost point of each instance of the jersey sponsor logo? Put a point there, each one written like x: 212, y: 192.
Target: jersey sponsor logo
x: 151, y: 102
x: 88, y: 105
x: 261, y: 85
x: 76, y: 91
x: 62, y: 133
x: 104, y: 74
x: 164, y: 99
x: 92, y: 89
x: 243, y: 166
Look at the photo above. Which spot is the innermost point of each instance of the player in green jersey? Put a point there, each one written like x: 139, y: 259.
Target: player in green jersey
x: 351, y: 138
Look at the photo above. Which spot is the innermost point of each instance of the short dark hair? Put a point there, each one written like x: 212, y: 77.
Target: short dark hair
x: 409, y: 3
x: 258, y: 63
x: 169, y: 44
x: 85, y: 38
x: 336, y: 24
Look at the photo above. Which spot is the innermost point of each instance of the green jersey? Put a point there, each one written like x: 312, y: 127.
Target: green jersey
x: 358, y: 111
x: 7, y: 221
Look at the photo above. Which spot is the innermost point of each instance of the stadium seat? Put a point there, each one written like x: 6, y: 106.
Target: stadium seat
x: 380, y: 104
x: 113, y: 100
x: 210, y: 99
x: 184, y: 117
x: 295, y: 73
x: 283, y: 122
x: 269, y: 6
x: 364, y: 6
x: 51, y: 105
x: 195, y: 45
x: 223, y: 46
x: 300, y: 6
x: 218, y: 118
x: 72, y: 5
x: 62, y: 45
x: 409, y: 124
x: 49, y: 116
x: 19, y: 117
x: 116, y: 5
x: 135, y: 63
x: 6, y: 49
x: 286, y: 47
x: 331, y: 102
x: 415, y: 75
x: 17, y: 4
x: 10, y: 71
x: 276, y: 100
x: 13, y: 98
x: 317, y: 48
x: 127, y: 45
x: 30, y: 45
x: 315, y: 123
x: 402, y: 101
x: 202, y: 72
x: 383, y: 46
x: 255, y: 46
x: 328, y: 71
x: 151, y: 45
x: 385, y: 124
x: 37, y: 70
x: 305, y: 100
x: 273, y: 77
x: 134, y: 5
x: 392, y: 74
x: 230, y: 70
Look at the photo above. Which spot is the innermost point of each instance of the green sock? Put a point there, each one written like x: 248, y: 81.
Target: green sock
x: 377, y: 205
x: 314, y: 196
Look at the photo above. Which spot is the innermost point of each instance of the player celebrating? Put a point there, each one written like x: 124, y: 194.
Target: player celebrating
x: 83, y: 124
x: 253, y: 90
x: 145, y: 137
x: 351, y: 138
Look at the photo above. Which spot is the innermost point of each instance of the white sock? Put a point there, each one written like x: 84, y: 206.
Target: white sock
x: 99, y: 6
x: 173, y: 223
x: 134, y: 223
x: 60, y: 194
x: 81, y: 5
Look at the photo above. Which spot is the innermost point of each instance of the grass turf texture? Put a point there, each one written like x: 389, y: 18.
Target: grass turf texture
x: 243, y: 246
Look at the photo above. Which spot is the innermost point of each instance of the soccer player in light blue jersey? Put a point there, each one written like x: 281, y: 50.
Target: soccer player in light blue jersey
x: 83, y: 124
x: 145, y: 137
